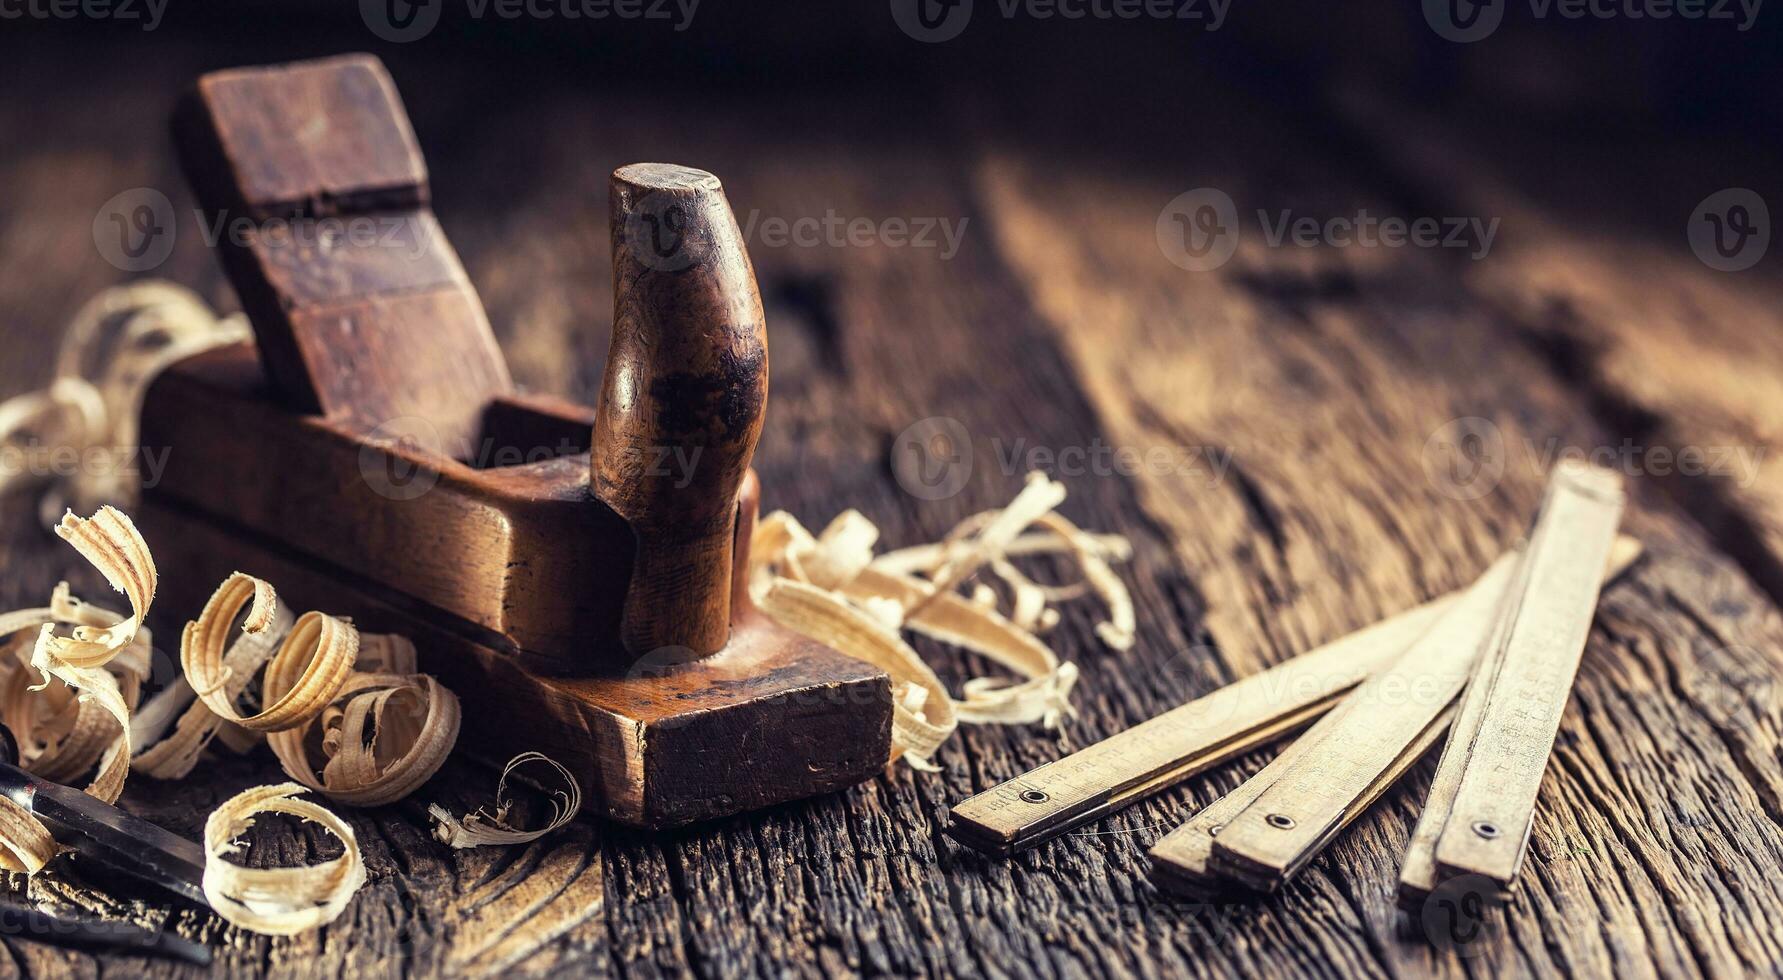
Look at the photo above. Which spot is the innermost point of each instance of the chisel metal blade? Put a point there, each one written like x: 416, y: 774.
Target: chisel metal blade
x: 108, y: 836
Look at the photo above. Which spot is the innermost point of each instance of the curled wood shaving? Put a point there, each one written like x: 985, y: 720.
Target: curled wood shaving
x: 277, y: 901
x: 60, y: 737
x: 480, y: 828
x: 111, y: 350
x: 25, y: 843
x: 384, y: 737
x: 80, y: 660
x: 176, y: 754
x: 967, y: 552
x: 832, y: 588
x: 88, y: 680
x: 110, y: 541
x: 361, y: 736
x: 308, y: 670
x: 380, y: 734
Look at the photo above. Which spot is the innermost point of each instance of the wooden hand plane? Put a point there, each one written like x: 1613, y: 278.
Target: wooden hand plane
x: 577, y: 576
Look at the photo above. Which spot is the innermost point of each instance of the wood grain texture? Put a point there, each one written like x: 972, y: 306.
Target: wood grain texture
x: 1683, y: 356
x: 1058, y: 322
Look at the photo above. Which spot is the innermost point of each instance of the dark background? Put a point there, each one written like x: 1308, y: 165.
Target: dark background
x: 1680, y: 107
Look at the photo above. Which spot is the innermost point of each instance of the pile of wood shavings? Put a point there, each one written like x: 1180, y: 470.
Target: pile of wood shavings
x: 832, y: 588
x: 350, y: 716
x: 380, y: 728
x: 110, y: 351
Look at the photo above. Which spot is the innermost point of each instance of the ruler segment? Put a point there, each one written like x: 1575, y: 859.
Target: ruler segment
x: 1381, y: 722
x: 1487, y: 830
x: 1160, y: 752
x: 1269, y: 881
x: 1418, y: 874
x: 1180, y: 858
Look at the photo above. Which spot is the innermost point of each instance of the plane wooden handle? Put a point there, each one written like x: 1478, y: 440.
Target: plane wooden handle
x: 682, y: 402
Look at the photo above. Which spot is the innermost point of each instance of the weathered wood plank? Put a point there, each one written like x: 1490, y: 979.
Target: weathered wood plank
x: 1332, y: 372
x: 1683, y: 346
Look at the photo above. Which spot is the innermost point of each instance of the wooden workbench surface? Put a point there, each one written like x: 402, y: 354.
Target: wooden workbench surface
x: 1331, y: 376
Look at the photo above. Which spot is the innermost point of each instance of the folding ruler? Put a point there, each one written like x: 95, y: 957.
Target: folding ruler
x: 1512, y: 640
